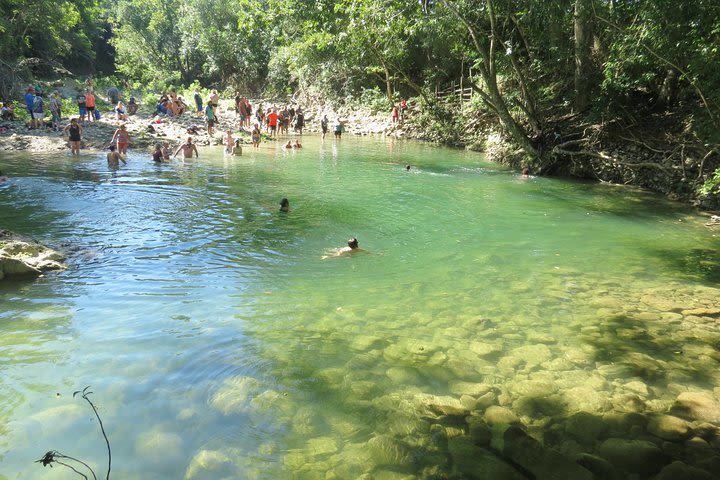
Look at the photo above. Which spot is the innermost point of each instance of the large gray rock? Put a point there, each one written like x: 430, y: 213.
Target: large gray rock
x: 634, y: 456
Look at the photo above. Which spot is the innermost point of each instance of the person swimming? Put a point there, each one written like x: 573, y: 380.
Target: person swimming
x: 284, y: 205
x: 352, y: 247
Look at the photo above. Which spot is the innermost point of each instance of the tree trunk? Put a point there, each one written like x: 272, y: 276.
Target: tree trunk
x: 388, y: 81
x: 583, y: 49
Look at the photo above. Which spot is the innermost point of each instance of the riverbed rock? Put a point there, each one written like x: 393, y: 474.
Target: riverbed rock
x: 634, y: 456
x: 470, y: 388
x: 386, y: 450
x: 668, y: 427
x: 599, y: 467
x: 150, y: 444
x: 585, y: 427
x: 697, y: 406
x: 496, y: 415
x: 210, y: 464
x: 681, y: 471
x: 479, y: 463
x: 22, y: 256
x: 514, y: 444
x: 235, y: 394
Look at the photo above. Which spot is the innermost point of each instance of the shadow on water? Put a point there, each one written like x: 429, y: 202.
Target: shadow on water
x: 702, y: 264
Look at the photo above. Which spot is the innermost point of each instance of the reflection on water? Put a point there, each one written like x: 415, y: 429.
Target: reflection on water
x: 220, y: 345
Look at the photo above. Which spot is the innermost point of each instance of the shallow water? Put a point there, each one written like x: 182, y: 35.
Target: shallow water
x: 219, y: 344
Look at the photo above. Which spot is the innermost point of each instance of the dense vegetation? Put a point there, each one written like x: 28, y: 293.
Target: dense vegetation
x: 545, y: 73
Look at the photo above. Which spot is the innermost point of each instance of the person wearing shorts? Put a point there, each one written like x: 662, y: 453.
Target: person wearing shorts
x: 74, y: 131
x: 210, y: 118
x: 82, y: 106
x: 38, y: 111
x: 272, y: 120
x: 90, y: 105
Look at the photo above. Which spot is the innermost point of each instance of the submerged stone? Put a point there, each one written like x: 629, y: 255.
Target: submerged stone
x: 668, y: 427
x: 235, y: 394
x: 478, y: 463
x: 210, y: 464
x: 697, y: 406
x: 496, y: 415
x: 159, y: 446
x: 386, y: 450
x: 470, y: 388
x: 634, y: 456
x: 516, y: 445
x: 585, y: 427
x: 681, y: 471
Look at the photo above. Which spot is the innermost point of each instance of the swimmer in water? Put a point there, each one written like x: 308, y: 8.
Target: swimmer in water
x: 284, y: 205
x: 352, y: 247
x: 113, y: 157
x: 237, y: 149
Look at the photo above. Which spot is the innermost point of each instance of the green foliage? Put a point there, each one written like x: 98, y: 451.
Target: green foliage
x: 52, y: 32
x: 372, y: 98
x: 712, y: 184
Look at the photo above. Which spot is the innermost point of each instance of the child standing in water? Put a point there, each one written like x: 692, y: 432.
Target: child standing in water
x: 229, y: 142
x: 255, y: 137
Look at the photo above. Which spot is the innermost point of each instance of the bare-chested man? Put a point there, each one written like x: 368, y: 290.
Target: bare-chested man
x: 187, y: 148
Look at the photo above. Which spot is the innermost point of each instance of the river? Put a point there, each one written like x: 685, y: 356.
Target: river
x: 220, y: 344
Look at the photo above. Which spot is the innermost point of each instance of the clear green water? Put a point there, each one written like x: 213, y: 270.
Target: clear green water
x: 220, y: 345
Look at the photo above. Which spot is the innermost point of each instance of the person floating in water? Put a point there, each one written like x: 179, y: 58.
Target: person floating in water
x: 296, y: 144
x: 284, y: 205
x: 4, y: 178
x: 525, y: 173
x: 407, y: 168
x: 289, y: 145
x: 352, y: 247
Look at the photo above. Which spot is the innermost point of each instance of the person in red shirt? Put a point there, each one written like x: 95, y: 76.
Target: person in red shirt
x: 272, y: 122
x: 90, y: 105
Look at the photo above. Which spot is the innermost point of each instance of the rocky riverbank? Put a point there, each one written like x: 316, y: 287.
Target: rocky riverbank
x: 147, y: 129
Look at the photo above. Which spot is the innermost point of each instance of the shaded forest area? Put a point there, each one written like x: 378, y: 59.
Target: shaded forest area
x: 623, y: 91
